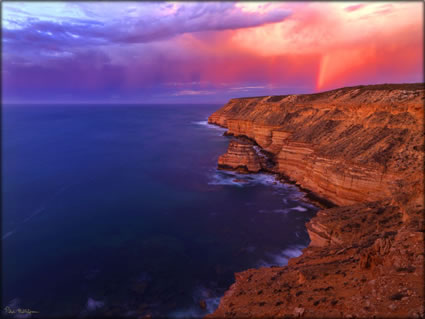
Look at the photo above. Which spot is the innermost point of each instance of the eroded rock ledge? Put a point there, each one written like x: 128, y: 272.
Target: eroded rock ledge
x: 361, y: 148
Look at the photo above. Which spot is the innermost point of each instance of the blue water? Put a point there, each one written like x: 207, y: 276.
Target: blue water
x: 120, y: 210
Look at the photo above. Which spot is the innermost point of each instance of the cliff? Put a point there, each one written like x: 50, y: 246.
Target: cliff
x: 361, y: 148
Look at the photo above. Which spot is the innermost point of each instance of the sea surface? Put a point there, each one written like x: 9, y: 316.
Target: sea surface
x: 120, y: 210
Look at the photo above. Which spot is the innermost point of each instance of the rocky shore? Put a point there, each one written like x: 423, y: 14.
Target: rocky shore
x: 360, y: 149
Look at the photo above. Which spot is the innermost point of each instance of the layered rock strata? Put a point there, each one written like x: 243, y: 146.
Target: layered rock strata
x: 241, y: 156
x: 362, y: 148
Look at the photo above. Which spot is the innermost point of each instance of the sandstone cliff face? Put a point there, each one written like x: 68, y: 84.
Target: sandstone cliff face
x: 361, y: 148
x: 348, y: 145
x: 240, y: 155
x: 356, y: 273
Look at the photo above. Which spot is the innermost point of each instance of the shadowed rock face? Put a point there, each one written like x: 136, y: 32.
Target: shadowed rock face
x: 362, y: 148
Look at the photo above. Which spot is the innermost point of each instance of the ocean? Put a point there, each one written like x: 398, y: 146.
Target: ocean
x: 119, y: 210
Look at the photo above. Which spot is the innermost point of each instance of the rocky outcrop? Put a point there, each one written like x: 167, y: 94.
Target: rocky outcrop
x: 361, y: 148
x: 348, y: 145
x: 240, y: 156
x: 357, y: 271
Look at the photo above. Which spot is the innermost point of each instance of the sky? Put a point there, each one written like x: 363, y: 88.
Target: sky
x: 203, y: 52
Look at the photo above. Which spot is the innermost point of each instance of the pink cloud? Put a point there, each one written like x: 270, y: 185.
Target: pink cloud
x: 355, y: 7
x: 321, y: 45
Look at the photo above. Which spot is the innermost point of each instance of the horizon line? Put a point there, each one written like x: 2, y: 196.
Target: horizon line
x: 212, y: 103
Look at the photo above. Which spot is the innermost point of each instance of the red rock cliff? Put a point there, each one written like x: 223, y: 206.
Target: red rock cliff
x: 362, y: 148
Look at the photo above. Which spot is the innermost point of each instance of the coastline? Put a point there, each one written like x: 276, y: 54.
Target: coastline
x: 309, y: 195
x: 343, y: 242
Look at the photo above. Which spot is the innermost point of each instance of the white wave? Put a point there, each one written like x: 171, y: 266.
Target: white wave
x: 237, y: 179
x: 229, y: 178
x: 219, y: 179
x: 205, y: 123
x: 282, y: 258
x: 311, y: 206
x: 299, y: 208
x: 281, y: 211
x: 265, y: 179
x: 200, y: 293
x: 212, y: 304
x: 92, y: 304
x: 259, y: 152
x: 296, y: 196
x: 200, y: 122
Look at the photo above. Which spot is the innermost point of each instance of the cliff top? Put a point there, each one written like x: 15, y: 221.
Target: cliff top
x: 361, y: 88
x: 374, y: 126
x: 362, y: 148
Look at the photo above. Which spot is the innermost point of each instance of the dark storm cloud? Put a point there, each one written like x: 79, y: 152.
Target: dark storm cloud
x: 47, y: 52
x: 191, y: 17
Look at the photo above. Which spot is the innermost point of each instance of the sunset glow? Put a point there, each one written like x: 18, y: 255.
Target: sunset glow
x: 182, y: 52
